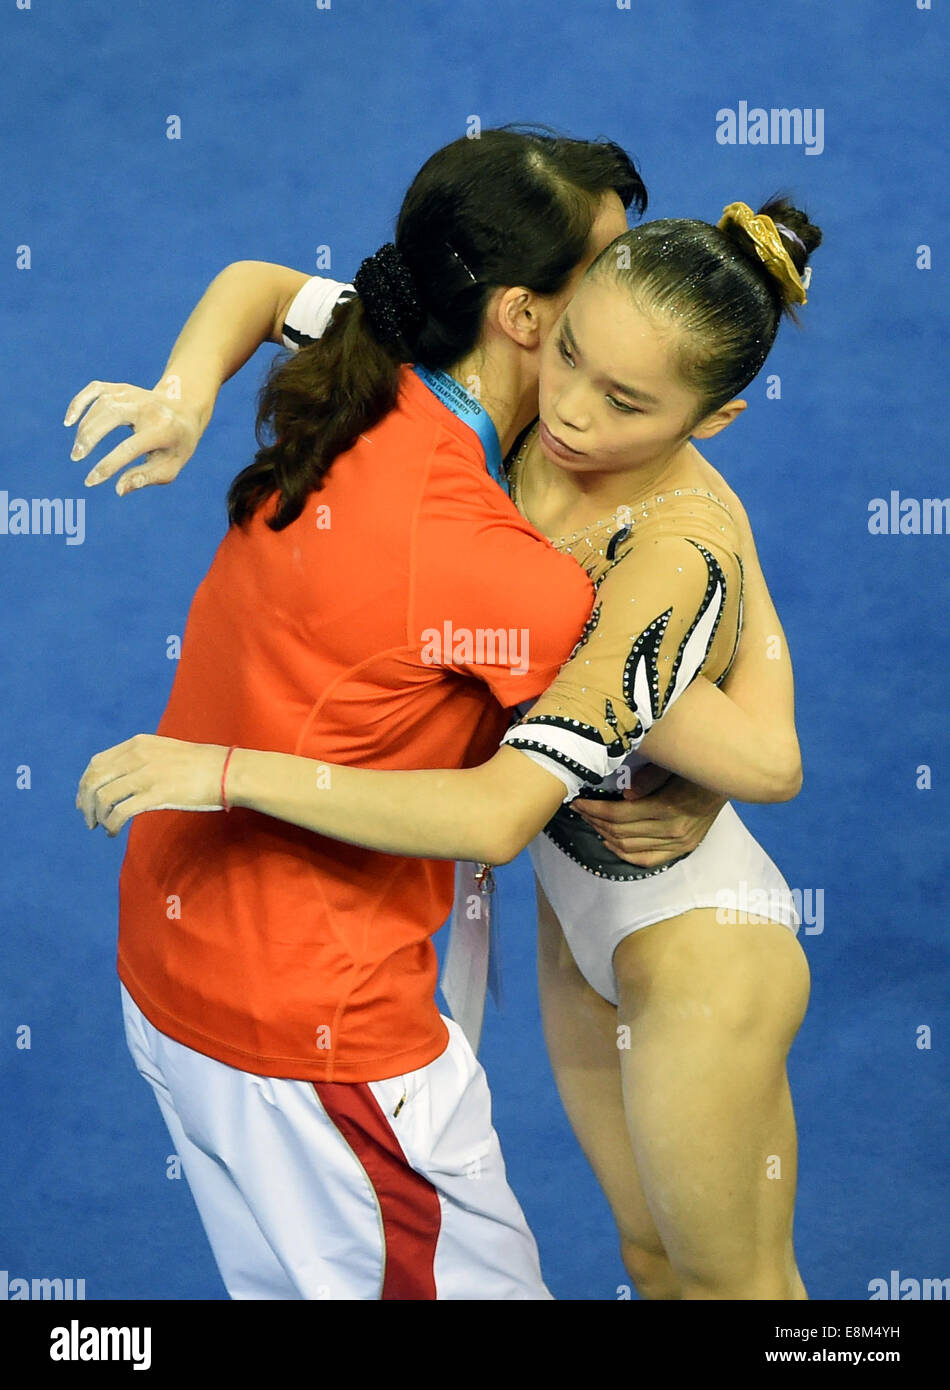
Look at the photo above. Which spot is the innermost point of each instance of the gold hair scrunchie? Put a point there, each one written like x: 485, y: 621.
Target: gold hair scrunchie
x: 770, y: 248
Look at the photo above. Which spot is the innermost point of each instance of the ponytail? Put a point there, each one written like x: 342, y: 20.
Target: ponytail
x: 317, y: 403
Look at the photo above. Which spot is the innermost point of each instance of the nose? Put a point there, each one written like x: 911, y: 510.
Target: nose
x: 572, y: 407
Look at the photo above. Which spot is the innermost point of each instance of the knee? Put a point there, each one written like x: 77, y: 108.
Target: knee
x: 762, y: 1275
x: 652, y: 1274
x: 735, y: 1288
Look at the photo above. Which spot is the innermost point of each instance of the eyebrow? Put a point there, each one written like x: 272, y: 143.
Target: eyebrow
x: 630, y: 391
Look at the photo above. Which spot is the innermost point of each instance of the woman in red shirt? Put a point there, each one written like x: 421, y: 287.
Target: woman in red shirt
x: 279, y: 988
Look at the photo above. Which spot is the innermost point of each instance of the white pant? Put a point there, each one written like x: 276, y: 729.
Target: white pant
x: 389, y: 1189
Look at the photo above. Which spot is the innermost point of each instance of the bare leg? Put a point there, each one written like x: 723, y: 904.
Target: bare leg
x: 712, y: 1009
x: 580, y: 1028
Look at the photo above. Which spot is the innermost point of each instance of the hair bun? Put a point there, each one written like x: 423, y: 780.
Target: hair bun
x: 760, y: 235
x: 389, y: 296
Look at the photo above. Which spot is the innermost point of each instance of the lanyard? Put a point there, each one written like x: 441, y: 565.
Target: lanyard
x: 466, y: 407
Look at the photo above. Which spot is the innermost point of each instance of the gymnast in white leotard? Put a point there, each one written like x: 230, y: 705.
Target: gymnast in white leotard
x: 599, y: 898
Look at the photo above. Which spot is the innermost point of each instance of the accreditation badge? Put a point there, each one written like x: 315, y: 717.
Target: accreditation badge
x: 472, y: 962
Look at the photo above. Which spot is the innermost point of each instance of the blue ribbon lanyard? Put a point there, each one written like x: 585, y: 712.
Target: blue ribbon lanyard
x: 467, y: 409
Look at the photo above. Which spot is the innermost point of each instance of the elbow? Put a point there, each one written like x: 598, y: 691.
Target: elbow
x: 509, y: 835
x: 503, y: 846
x: 778, y: 777
x: 791, y: 785
x: 510, y: 802
x: 793, y: 774
x: 786, y: 777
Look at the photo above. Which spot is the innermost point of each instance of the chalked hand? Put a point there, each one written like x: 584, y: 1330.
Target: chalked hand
x: 165, y: 431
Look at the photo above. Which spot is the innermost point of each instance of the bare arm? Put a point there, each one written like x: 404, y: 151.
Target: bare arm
x: 761, y: 675
x: 244, y: 306
x: 650, y: 827
x: 486, y: 814
x: 709, y: 738
x: 754, y: 709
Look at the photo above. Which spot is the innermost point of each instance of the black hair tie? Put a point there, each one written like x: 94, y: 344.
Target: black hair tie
x: 389, y: 296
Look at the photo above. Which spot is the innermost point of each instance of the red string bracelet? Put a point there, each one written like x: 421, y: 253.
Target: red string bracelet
x: 224, y: 773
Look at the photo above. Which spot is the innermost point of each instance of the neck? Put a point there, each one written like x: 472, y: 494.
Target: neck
x: 562, y: 500
x: 610, y: 490
x: 497, y: 378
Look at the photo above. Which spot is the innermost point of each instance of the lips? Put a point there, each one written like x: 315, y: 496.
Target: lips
x: 556, y: 445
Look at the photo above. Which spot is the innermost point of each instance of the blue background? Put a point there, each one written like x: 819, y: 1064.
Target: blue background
x: 302, y: 127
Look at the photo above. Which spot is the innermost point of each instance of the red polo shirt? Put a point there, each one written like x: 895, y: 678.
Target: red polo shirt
x: 384, y: 628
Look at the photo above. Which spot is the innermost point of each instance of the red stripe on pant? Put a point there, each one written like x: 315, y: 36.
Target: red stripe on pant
x: 409, y: 1203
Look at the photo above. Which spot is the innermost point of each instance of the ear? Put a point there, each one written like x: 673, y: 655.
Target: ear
x: 718, y: 420
x: 516, y: 313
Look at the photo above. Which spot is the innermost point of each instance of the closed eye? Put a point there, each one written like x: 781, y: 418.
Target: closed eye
x: 626, y: 409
